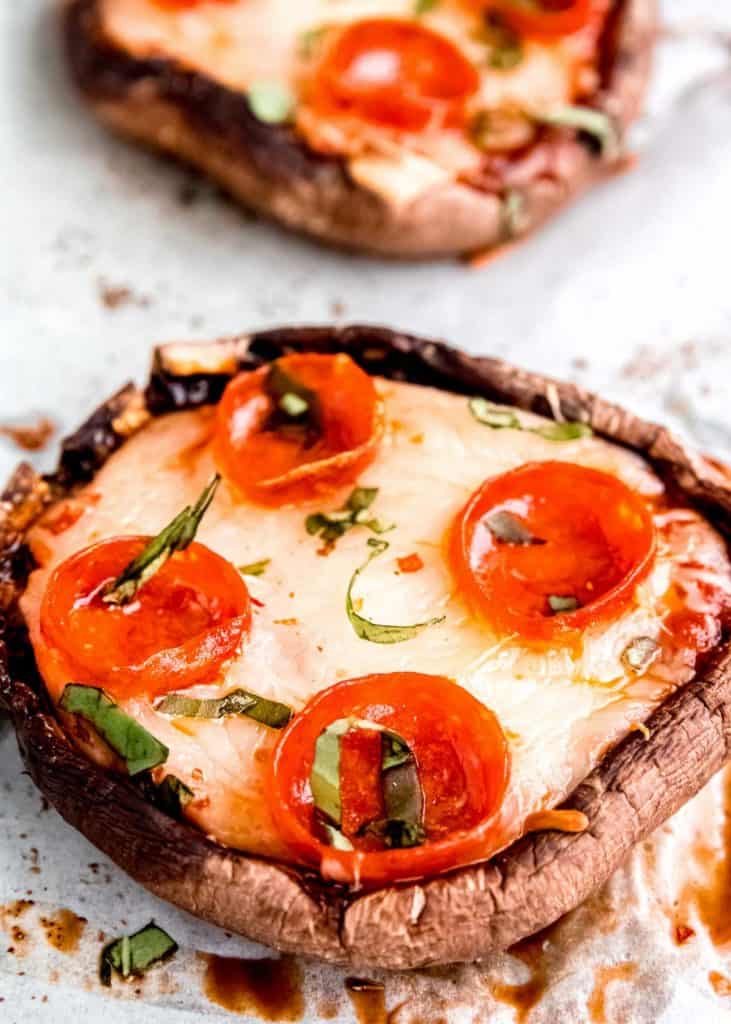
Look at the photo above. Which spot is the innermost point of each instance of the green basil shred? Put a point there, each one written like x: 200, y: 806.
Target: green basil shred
x: 270, y: 102
x: 176, y: 536
x: 131, y: 956
x: 499, y: 417
x: 403, y: 798
x: 172, y: 795
x: 331, y: 526
x: 375, y: 632
x: 504, y: 526
x: 135, y: 745
x: 237, y: 702
x: 595, y: 123
x: 255, y: 568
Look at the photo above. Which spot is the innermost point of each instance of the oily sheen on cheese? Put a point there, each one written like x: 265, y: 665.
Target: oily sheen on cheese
x: 251, y: 41
x: 561, y: 709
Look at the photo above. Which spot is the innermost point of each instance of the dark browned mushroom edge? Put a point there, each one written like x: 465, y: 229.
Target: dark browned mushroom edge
x: 315, y: 193
x: 458, y: 917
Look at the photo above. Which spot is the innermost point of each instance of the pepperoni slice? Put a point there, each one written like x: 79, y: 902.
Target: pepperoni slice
x: 274, y: 458
x: 461, y: 757
x: 551, y: 548
x: 181, y: 626
x: 543, y: 19
x: 398, y: 74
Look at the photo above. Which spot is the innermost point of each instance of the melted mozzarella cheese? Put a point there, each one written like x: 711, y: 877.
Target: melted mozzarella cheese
x: 249, y: 41
x: 560, y: 710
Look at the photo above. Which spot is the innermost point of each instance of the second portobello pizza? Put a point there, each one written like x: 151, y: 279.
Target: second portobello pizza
x: 370, y: 629
x: 393, y: 126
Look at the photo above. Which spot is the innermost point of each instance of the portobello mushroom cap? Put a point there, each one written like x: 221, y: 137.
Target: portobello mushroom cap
x: 462, y: 916
x: 271, y: 170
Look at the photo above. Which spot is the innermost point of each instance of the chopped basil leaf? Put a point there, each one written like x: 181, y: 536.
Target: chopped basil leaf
x: 296, y: 407
x: 500, y: 418
x: 495, y: 416
x: 595, y: 123
x: 255, y: 568
x: 403, y: 798
x: 293, y: 405
x: 375, y: 632
x: 361, y: 499
x: 171, y: 795
x: 559, y: 603
x: 424, y: 6
x: 395, y: 751
x: 397, y: 834
x: 507, y: 57
x: 238, y: 702
x: 564, y: 431
x: 280, y: 384
x: 309, y: 40
x: 336, y: 838
x: 331, y: 526
x: 513, y: 213
x: 176, y: 536
x: 404, y: 803
x: 134, y: 955
x: 640, y: 653
x: 270, y: 102
x: 506, y: 48
x: 135, y: 745
x: 506, y: 527
x: 325, y: 774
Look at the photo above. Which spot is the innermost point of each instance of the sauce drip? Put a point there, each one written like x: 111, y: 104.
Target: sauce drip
x: 368, y: 999
x: 269, y: 988
x: 523, y: 997
x: 64, y: 930
x: 603, y: 978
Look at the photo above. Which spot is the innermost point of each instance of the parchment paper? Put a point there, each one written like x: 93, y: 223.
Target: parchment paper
x: 108, y: 250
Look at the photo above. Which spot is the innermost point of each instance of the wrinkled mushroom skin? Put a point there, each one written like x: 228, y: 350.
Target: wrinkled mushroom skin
x: 270, y: 170
x: 459, y: 917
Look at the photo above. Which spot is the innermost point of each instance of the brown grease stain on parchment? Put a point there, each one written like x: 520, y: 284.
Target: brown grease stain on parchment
x: 710, y: 896
x: 523, y: 997
x: 543, y: 952
x: 269, y: 988
x: 368, y: 999
x: 64, y: 930
x: 603, y: 977
x: 10, y: 917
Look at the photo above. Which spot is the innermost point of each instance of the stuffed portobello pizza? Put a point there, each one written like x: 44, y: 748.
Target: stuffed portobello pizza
x: 406, y: 127
x: 364, y: 647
